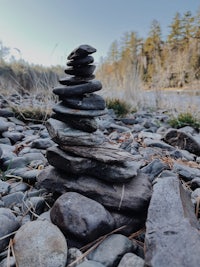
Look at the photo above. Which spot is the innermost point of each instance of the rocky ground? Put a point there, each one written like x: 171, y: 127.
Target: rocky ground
x: 51, y: 218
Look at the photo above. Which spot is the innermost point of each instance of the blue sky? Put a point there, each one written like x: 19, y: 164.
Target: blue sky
x: 46, y: 31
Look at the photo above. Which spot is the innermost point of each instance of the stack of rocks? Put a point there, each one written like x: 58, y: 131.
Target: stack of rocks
x: 85, y: 163
x: 83, y: 148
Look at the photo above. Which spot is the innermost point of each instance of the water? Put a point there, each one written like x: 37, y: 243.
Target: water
x: 178, y: 100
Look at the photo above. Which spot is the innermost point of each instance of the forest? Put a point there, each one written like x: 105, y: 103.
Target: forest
x: 173, y: 62
x: 132, y: 63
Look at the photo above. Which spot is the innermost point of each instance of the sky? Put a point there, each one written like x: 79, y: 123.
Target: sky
x: 44, y: 32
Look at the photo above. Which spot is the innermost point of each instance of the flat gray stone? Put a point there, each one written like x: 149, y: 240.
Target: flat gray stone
x: 133, y: 196
x: 105, y: 153
x: 79, y: 89
x: 186, y: 173
x: 62, y: 134
x: 111, y: 250
x: 119, y: 172
x: 154, y: 168
x: 64, y: 110
x: 157, y: 143
x: 172, y: 230
x: 48, y: 245
x: 80, y: 123
x: 81, y: 217
x: 85, y: 102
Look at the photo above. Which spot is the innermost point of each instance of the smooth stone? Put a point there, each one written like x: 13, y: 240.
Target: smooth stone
x: 4, y: 125
x: 89, y: 125
x: 154, y: 168
x: 90, y: 264
x: 5, y: 112
x: 18, y: 186
x: 5, y: 141
x: 172, y: 230
x: 23, y: 161
x: 157, y: 143
x: 86, y: 102
x: 183, y: 141
x: 16, y: 121
x: 28, y: 175
x: 111, y: 250
x: 133, y: 196
x: 63, y: 110
x: 4, y: 187
x: 75, y: 80
x: 13, y: 199
x: 42, y: 143
x: 118, y: 172
x: 9, y: 224
x: 79, y: 89
x: 81, y: 51
x: 13, y: 136
x: 130, y: 260
x: 81, y: 61
x: 61, y: 133
x: 81, y: 71
x: 81, y: 217
x: 48, y: 245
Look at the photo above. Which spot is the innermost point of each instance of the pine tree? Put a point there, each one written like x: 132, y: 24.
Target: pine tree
x: 176, y: 35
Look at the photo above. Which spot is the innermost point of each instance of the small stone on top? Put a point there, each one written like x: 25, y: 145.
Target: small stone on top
x: 81, y: 51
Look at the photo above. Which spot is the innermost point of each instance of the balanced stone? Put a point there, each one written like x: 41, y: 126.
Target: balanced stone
x: 83, y: 71
x: 82, y: 165
x: 131, y: 197
x: 79, y: 89
x: 74, y: 80
x: 62, y: 134
x: 85, y: 124
x: 81, y: 216
x: 86, y: 102
x: 80, y: 62
x: 81, y: 51
x: 62, y: 109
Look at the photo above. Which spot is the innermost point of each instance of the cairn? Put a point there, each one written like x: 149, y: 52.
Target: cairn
x: 82, y: 147
x: 84, y: 165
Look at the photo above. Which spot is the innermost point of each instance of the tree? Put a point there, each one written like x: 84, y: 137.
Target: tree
x: 152, y: 51
x: 176, y: 35
x: 188, y: 29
